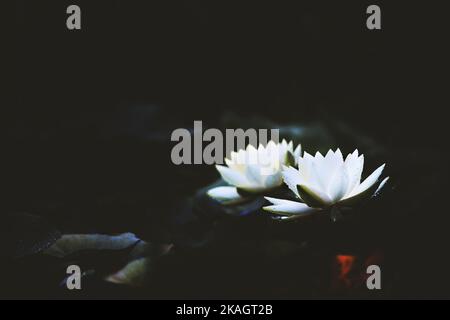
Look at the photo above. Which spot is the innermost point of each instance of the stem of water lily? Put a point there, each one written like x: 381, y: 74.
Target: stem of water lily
x: 335, y: 213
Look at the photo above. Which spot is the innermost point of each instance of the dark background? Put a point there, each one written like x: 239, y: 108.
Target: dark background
x: 87, y: 130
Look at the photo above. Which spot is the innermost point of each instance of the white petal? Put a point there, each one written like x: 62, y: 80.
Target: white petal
x: 253, y: 174
x: 290, y: 146
x: 308, y: 156
x: 292, y: 178
x: 229, y: 162
x: 323, y: 169
x: 261, y: 148
x: 370, y: 181
x: 225, y: 194
x: 317, y: 194
x: 320, y: 175
x: 318, y: 156
x: 234, y: 165
x: 305, y: 165
x: 272, y: 181
x: 355, y: 167
x: 251, y: 155
x: 233, y: 156
x: 381, y: 185
x: 297, y: 152
x: 241, y: 157
x: 233, y: 177
x: 288, y: 207
x: 339, y: 184
x: 277, y: 201
x: 271, y: 146
x: 330, y: 155
x: 338, y: 157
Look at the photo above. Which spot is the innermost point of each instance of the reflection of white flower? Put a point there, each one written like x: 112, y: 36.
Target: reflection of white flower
x: 321, y: 182
x: 254, y: 170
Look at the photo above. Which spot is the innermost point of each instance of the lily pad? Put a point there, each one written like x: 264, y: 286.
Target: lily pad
x: 71, y: 243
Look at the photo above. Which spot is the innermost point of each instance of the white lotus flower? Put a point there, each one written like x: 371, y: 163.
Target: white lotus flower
x: 322, y: 182
x: 254, y: 170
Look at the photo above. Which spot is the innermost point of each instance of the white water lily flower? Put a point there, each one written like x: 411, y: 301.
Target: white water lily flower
x: 254, y: 170
x: 321, y: 182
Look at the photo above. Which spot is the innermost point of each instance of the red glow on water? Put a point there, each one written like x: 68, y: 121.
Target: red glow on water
x: 350, y: 272
x: 345, y: 266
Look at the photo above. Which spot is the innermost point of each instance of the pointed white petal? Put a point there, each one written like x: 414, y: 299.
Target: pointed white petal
x: 320, y: 175
x: 305, y: 167
x: 287, y: 207
x: 350, y: 157
x: 271, y: 145
x: 225, y: 195
x: 306, y: 155
x: 292, y: 178
x: 329, y: 155
x: 338, y: 157
x: 319, y: 156
x: 290, y: 146
x: 297, y: 152
x: 234, y: 156
x: 277, y: 201
x: 355, y: 167
x: 352, y: 200
x: 253, y: 174
x: 272, y: 181
x: 251, y: 155
x: 370, y: 181
x: 339, y: 184
x: 229, y: 162
x: 238, y: 157
x: 232, y: 177
x: 235, y: 166
x: 381, y: 185
x: 323, y: 170
x: 313, y: 196
x: 261, y: 148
